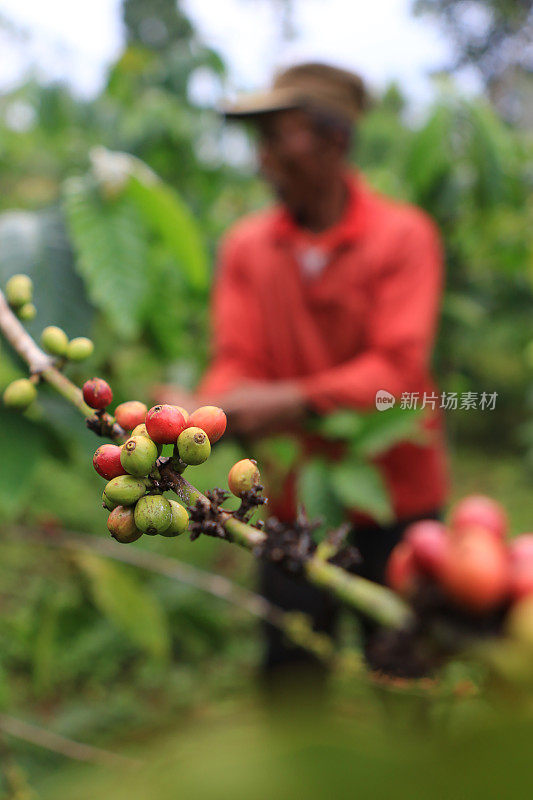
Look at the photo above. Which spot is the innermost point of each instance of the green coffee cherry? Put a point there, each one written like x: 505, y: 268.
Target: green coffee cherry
x: 54, y: 340
x: 193, y: 446
x: 19, y: 290
x: 107, y: 503
x: 140, y: 430
x: 243, y: 476
x: 27, y: 312
x: 79, y: 349
x: 179, y: 521
x: 125, y: 490
x: 153, y: 514
x: 138, y: 455
x: 20, y: 394
x: 121, y: 525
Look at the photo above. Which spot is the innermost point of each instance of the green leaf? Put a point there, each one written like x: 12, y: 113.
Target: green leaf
x: 24, y: 442
x: 359, y: 486
x: 165, y: 213
x: 383, y: 429
x: 316, y: 493
x: 340, y: 425
x: 125, y: 601
x: 111, y: 245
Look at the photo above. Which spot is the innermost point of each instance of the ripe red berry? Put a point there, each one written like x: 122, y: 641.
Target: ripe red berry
x: 164, y: 424
x: 106, y: 461
x: 211, y: 420
x: 130, y: 414
x: 521, y: 547
x: 476, y: 571
x: 243, y: 476
x: 481, y: 511
x: 97, y: 393
x: 429, y: 544
x: 401, y: 572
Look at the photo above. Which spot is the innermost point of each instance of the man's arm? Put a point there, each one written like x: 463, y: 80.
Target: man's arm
x: 402, y: 330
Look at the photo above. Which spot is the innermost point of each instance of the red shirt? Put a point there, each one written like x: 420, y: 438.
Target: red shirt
x: 363, y: 323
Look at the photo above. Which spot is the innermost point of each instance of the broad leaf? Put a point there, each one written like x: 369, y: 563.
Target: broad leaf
x: 316, y: 494
x: 383, y: 429
x: 359, y: 486
x: 343, y: 424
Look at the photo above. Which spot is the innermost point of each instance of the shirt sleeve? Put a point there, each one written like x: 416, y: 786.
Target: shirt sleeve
x: 401, y: 330
x: 236, y: 339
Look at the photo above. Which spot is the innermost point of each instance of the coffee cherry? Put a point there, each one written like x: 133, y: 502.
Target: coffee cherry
x: 480, y: 511
x: 97, y: 393
x: 130, y: 414
x: 54, y: 340
x: 164, y: 424
x: 243, y: 476
x: 184, y: 412
x: 27, y: 312
x: 138, y: 455
x: 429, y: 543
x: 179, y: 521
x: 125, y: 490
x: 153, y: 514
x: 107, y: 503
x: 521, y: 555
x: 20, y: 394
x: 193, y: 446
x: 121, y: 525
x: 19, y: 290
x: 476, y: 570
x: 80, y: 348
x: 210, y: 419
x: 106, y: 461
x: 140, y: 430
x: 401, y: 574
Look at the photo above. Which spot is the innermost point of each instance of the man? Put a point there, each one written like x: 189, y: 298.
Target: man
x: 322, y: 301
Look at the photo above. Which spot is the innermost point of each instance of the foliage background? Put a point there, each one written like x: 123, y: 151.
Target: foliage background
x: 121, y: 248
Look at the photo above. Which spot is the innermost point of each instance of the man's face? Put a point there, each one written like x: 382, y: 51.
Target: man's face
x: 294, y: 158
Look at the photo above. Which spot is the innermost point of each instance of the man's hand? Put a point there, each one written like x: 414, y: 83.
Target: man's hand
x: 255, y: 408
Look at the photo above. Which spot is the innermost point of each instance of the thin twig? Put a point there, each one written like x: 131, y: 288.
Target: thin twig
x: 60, y: 744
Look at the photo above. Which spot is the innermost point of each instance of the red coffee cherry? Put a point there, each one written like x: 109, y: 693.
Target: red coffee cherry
x: 481, y: 511
x: 429, y: 543
x: 476, y: 572
x: 130, y: 414
x: 121, y: 525
x: 106, y: 461
x: 97, y: 393
x: 521, y: 555
x: 243, y: 476
x: 164, y: 424
x: 401, y: 573
x: 210, y: 419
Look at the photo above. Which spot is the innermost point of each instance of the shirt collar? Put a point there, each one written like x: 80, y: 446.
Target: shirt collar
x: 348, y: 229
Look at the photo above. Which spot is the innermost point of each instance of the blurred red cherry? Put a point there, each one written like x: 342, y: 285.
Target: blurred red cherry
x: 479, y: 510
x: 429, y: 543
x: 401, y: 571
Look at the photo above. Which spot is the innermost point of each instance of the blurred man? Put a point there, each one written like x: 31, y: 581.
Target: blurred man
x: 320, y: 302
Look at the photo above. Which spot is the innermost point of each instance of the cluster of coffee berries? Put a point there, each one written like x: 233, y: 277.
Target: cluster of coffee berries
x: 56, y: 342
x: 19, y: 295
x: 133, y: 494
x: 470, y: 562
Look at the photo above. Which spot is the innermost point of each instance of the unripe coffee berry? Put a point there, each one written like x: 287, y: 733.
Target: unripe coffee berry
x: 27, y: 312
x: 164, y: 424
x: 106, y: 461
x: 121, y: 525
x: 125, y: 490
x: 20, y: 394
x: 138, y: 455
x: 179, y: 521
x: 130, y: 414
x: 107, y: 503
x: 140, y: 430
x: 153, y: 514
x: 19, y: 290
x: 80, y: 348
x: 97, y: 393
x: 54, y: 340
x: 193, y: 446
x: 243, y: 476
x: 210, y: 419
